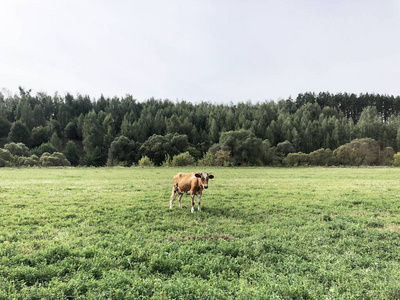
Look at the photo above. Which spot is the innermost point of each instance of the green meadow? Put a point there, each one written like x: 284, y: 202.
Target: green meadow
x: 263, y: 233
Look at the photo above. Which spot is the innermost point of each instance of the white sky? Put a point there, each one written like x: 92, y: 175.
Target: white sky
x: 200, y: 50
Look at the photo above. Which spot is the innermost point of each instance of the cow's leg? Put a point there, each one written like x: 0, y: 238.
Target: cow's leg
x: 180, y: 200
x: 173, y: 196
x: 192, y: 198
x: 198, y: 202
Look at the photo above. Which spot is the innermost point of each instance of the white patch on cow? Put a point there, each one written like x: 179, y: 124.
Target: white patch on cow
x: 198, y: 202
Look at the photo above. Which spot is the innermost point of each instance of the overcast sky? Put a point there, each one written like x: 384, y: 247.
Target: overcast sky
x: 203, y: 50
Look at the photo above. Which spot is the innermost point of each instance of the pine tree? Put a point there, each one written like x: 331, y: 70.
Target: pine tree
x: 71, y: 153
x: 19, y: 132
x: 55, y: 141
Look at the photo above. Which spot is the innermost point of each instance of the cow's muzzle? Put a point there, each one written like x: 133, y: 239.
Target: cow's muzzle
x: 206, y: 186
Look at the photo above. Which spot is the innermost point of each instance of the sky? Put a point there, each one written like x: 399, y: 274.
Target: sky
x: 218, y: 51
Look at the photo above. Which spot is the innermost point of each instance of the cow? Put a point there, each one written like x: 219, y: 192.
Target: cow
x: 193, y: 183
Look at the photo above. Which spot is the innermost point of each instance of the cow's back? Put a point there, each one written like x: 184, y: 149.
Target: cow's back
x: 184, y: 181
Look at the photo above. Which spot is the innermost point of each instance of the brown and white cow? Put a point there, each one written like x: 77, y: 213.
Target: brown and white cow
x: 193, y: 183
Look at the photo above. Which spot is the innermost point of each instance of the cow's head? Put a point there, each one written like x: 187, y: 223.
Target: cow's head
x: 204, y: 178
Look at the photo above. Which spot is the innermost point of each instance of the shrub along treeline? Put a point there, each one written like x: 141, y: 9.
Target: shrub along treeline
x: 313, y: 129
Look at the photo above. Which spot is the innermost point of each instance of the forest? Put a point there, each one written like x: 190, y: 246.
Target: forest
x: 313, y: 129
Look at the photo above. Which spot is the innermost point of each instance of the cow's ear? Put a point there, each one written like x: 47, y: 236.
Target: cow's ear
x: 198, y: 175
x: 211, y: 176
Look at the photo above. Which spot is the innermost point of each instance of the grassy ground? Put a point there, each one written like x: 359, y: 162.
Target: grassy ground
x: 264, y: 233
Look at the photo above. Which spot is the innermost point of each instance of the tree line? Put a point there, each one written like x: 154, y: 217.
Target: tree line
x: 124, y: 131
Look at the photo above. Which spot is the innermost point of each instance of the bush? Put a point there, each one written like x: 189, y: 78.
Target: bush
x: 18, y: 149
x: 296, y: 159
x: 123, y: 151
x: 183, y: 159
x: 386, y: 156
x: 358, y: 152
x: 321, y: 157
x: 6, y: 155
x: 146, y: 162
x: 223, y: 158
x: 71, y: 153
x: 39, y: 136
x: 46, y: 147
x: 94, y: 158
x: 55, y: 159
x: 19, y: 132
x: 396, y: 159
x: 195, y: 153
x: 6, y: 158
x: 207, y: 160
x: 71, y: 130
x: 244, y: 147
x: 5, y: 127
x: 28, y: 161
x: 284, y: 148
x: 157, y: 146
x: 269, y: 155
x: 56, y: 142
x: 167, y: 162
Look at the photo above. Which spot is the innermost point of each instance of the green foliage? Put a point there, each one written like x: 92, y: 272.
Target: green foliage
x: 45, y: 147
x: 5, y: 127
x: 6, y: 158
x: 263, y: 233
x: 296, y: 159
x: 27, y: 161
x: 56, y: 142
x: 39, y: 135
x: 223, y: 158
x: 194, y: 152
x: 214, y: 148
x: 96, y: 142
x: 123, y: 150
x: 157, y: 146
x: 284, y: 148
x: 6, y: 155
x: 71, y: 130
x: 207, y: 160
x: 369, y: 125
x: 243, y: 146
x: 92, y: 132
x: 358, y: 152
x: 79, y: 126
x: 183, y: 159
x: 24, y: 112
x: 168, y: 161
x: 268, y: 153
x: 71, y: 153
x: 396, y: 159
x: 39, y: 118
x: 94, y: 158
x: 254, y: 134
x: 386, y: 156
x: 322, y: 157
x: 19, y: 132
x: 55, y: 159
x: 145, y: 162
x: 18, y: 149
x: 55, y: 127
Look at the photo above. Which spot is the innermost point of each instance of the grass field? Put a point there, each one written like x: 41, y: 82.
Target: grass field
x: 263, y: 233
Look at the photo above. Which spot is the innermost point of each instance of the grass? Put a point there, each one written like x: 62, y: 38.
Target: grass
x: 263, y: 233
